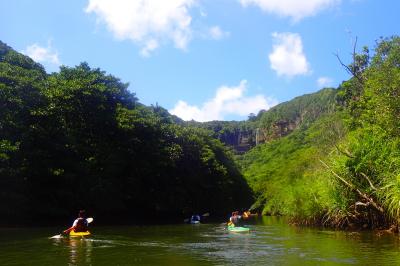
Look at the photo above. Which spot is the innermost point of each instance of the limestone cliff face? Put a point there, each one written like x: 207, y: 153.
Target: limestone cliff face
x: 277, y: 130
x: 249, y: 139
x: 242, y: 141
x: 280, y: 129
x: 245, y: 141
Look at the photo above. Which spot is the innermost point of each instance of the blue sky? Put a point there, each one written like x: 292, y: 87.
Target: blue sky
x: 202, y: 59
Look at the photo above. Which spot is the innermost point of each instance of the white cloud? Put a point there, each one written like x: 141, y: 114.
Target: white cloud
x: 187, y: 112
x: 287, y: 57
x: 216, y: 33
x: 324, y: 82
x: 42, y: 54
x: 146, y: 22
x: 227, y: 100
x: 149, y: 46
x: 296, y: 9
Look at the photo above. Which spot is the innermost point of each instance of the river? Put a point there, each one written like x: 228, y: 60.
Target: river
x: 270, y: 242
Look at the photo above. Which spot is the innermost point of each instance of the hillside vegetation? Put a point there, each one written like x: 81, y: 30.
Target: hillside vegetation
x: 341, y: 168
x: 79, y: 139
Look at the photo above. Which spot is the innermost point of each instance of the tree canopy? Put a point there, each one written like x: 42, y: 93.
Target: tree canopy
x: 79, y: 138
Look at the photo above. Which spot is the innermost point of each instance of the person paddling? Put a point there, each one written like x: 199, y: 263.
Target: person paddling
x: 235, y: 219
x: 195, y: 219
x: 80, y: 224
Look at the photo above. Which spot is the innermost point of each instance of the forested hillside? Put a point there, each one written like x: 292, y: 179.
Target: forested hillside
x: 79, y: 139
x: 342, y: 168
x: 273, y: 124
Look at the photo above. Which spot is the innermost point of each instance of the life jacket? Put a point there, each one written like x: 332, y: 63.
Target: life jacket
x: 81, y: 225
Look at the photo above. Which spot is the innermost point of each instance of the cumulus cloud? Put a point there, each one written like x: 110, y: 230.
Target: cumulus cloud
x: 47, y: 55
x: 146, y: 22
x: 217, y: 33
x: 287, y: 57
x: 294, y: 9
x: 227, y: 100
x: 324, y: 82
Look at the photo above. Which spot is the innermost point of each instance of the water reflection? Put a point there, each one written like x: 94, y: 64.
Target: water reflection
x: 79, y: 249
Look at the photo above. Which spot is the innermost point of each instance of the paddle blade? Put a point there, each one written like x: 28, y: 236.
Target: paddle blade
x: 56, y: 237
x: 89, y: 220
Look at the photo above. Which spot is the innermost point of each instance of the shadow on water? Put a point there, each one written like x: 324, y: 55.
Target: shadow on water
x: 270, y: 242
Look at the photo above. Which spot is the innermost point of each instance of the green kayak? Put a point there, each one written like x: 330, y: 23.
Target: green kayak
x: 238, y: 229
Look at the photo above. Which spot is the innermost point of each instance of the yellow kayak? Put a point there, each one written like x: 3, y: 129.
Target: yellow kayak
x: 73, y: 233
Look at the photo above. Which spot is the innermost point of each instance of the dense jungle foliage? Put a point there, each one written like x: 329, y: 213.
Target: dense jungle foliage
x: 341, y: 169
x: 79, y: 139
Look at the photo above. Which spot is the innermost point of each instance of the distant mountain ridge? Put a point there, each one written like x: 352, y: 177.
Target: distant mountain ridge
x: 277, y: 122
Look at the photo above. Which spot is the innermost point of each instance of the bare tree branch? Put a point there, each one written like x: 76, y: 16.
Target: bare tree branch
x: 354, y: 55
x: 352, y: 70
x: 346, y: 67
x: 369, y: 181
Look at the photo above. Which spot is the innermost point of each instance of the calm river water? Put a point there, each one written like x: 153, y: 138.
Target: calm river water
x: 270, y: 242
